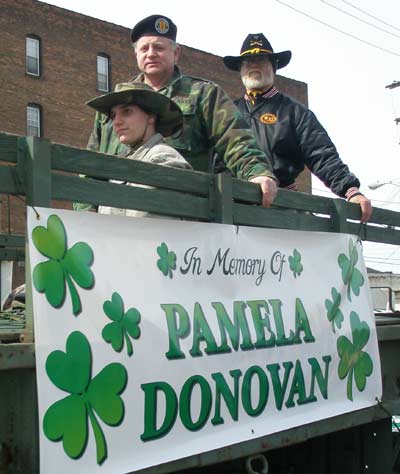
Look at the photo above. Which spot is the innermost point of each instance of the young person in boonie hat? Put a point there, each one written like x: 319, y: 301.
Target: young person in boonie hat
x: 287, y: 131
x: 141, y: 118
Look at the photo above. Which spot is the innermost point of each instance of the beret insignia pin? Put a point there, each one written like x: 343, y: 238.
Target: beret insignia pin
x: 162, y: 26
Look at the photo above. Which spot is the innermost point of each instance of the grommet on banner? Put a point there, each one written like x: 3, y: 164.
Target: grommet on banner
x: 36, y: 212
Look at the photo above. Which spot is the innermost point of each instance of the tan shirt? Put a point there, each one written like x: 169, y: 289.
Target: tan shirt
x: 153, y: 151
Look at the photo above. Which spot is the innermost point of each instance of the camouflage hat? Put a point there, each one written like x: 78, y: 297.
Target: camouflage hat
x: 169, y: 115
x: 154, y: 25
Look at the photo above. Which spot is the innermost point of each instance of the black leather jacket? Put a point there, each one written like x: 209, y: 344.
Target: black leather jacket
x: 291, y: 136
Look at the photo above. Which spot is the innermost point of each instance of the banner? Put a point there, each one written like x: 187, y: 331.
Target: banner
x: 159, y: 339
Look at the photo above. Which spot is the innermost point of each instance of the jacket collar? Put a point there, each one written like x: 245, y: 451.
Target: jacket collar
x: 252, y: 97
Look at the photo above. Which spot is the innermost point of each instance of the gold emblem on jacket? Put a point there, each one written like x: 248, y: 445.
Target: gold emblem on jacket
x: 268, y: 118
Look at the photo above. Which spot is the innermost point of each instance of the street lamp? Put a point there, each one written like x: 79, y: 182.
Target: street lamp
x: 378, y: 184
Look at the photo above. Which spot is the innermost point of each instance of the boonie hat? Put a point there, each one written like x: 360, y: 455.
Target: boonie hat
x: 169, y: 115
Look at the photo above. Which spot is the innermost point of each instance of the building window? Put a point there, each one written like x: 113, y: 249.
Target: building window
x: 33, y: 55
x: 103, y: 73
x: 33, y: 120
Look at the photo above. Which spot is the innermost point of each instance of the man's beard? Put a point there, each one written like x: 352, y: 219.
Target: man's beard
x: 257, y: 81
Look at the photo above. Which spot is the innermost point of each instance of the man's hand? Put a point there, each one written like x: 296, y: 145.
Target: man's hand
x: 365, y: 204
x: 268, y: 188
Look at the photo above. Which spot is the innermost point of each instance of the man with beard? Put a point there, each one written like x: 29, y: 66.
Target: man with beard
x: 286, y: 130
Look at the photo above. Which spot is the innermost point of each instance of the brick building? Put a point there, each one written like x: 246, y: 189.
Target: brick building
x: 54, y: 60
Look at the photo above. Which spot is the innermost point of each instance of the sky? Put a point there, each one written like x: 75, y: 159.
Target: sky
x: 347, y: 72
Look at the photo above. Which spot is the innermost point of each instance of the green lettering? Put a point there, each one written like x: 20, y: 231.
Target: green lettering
x: 202, y: 332
x: 185, y: 402
x: 302, y: 324
x: 234, y: 330
x: 281, y: 338
x: 231, y: 399
x: 176, y: 330
x: 150, y: 410
x: 316, y: 374
x: 261, y: 323
x: 278, y: 386
x: 298, y: 387
x: 247, y: 391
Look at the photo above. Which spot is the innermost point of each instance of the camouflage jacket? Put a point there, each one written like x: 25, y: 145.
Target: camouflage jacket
x: 212, y: 124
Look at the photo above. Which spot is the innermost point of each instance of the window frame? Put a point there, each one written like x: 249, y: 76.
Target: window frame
x: 38, y: 110
x: 106, y: 57
x: 38, y: 58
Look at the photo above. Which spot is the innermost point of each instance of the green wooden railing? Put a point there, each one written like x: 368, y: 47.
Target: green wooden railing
x: 44, y: 172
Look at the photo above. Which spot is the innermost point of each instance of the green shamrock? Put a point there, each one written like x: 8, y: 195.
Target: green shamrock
x: 352, y: 359
x: 124, y: 324
x: 335, y: 316
x: 351, y: 276
x: 66, y: 419
x: 167, y: 261
x: 64, y: 265
x: 295, y: 263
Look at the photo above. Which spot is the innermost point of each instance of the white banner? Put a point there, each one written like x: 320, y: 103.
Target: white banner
x: 159, y: 339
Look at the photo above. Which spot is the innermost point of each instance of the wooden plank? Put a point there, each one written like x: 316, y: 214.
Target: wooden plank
x: 12, y: 240
x: 9, y: 180
x: 385, y: 235
x: 157, y: 201
x: 386, y: 217
x: 8, y: 147
x: 303, y: 202
x: 19, y: 427
x: 17, y: 356
x: 12, y: 254
x: 102, y: 166
x: 280, y: 219
x: 250, y: 193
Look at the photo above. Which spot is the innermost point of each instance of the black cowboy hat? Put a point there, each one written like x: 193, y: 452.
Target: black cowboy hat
x: 169, y: 115
x: 257, y: 45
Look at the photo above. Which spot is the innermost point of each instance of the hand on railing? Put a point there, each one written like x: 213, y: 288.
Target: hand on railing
x: 365, y: 204
x: 268, y: 188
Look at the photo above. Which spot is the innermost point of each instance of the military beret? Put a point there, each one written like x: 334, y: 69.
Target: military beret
x: 154, y: 25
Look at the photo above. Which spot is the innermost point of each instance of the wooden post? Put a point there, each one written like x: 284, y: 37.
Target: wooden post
x: 338, y: 216
x: 34, y: 170
x: 34, y: 166
x: 223, y: 198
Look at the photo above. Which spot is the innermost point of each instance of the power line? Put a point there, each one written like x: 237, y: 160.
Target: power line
x: 370, y: 257
x: 373, y: 200
x: 385, y: 259
x: 360, y: 19
x: 372, y: 16
x: 337, y: 29
x: 372, y: 262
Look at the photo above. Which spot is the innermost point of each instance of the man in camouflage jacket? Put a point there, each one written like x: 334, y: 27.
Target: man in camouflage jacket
x: 212, y: 123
